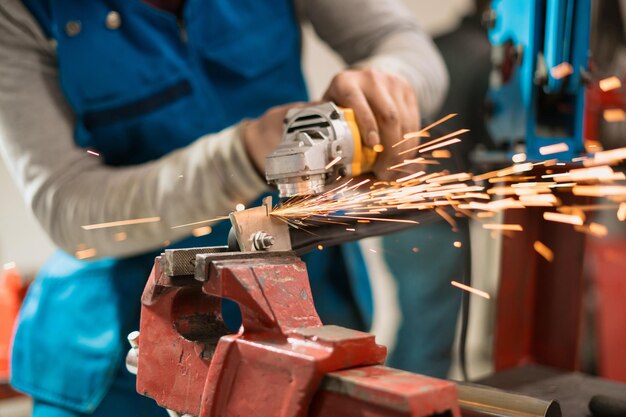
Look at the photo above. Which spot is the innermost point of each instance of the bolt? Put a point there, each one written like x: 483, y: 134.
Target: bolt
x: 262, y: 241
x: 133, y: 339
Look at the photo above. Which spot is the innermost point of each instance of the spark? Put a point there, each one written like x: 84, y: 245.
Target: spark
x: 598, y: 229
x: 440, y: 145
x: 357, y: 202
x: 201, y: 231
x: 505, y: 204
x: 200, y: 222
x: 564, y: 185
x: 609, y: 83
x: 382, y: 219
x: 507, y: 178
x: 563, y: 218
x: 621, y: 212
x: 592, y: 146
x: 564, y: 69
x: 544, y: 251
x: 518, y: 157
x: 119, y: 237
x: 320, y: 247
x: 333, y: 162
x: 472, y: 290
x: 593, y: 229
x: 441, y: 154
x: 420, y: 133
x: 507, y: 227
x: 431, y: 143
x: 480, y: 196
x: 599, y: 191
x: 607, y: 157
x: 449, y: 219
x: 373, y: 250
x: 614, y: 115
x: 378, y: 148
x: 409, y: 177
x: 121, y: 223
x: 240, y: 207
x: 541, y: 200
x: 409, y: 162
x: 519, y: 168
x: 457, y: 244
x: 94, y: 153
x: 461, y: 176
x: 552, y: 149
x: 415, y: 250
x: 85, y: 253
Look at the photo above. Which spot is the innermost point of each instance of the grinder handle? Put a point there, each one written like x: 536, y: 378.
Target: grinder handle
x: 364, y: 157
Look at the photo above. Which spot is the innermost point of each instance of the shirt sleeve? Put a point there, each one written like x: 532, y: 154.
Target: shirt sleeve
x: 384, y: 35
x: 67, y: 188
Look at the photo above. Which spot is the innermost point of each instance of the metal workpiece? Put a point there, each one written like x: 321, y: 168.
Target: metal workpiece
x: 480, y: 401
x: 312, y: 138
x: 257, y: 230
x: 335, y: 234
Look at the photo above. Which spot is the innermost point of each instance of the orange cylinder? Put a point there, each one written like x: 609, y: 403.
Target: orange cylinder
x: 11, y: 292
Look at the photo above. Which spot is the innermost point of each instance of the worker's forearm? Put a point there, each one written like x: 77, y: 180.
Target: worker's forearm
x: 68, y: 188
x: 202, y: 181
x: 382, y: 34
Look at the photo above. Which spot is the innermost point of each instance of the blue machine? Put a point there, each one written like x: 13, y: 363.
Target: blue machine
x: 529, y: 105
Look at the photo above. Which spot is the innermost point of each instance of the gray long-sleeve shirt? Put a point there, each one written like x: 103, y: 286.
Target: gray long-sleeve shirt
x: 67, y: 188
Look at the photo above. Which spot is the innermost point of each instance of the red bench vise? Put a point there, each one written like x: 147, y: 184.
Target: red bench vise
x: 282, y: 362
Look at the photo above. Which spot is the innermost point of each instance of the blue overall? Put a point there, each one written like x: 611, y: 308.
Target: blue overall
x: 140, y: 91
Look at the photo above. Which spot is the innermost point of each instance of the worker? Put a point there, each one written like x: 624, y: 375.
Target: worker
x: 136, y: 109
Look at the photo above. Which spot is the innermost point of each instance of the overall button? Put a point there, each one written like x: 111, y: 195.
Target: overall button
x: 113, y: 20
x: 73, y: 27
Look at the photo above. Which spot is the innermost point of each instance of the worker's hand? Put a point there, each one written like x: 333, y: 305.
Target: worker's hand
x: 385, y: 107
x: 261, y: 136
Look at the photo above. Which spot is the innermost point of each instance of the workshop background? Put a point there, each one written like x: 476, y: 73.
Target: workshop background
x: 24, y: 244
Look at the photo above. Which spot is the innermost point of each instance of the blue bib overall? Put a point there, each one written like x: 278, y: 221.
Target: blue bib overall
x: 140, y: 88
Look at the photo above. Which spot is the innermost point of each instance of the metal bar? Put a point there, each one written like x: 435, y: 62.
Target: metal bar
x: 478, y: 401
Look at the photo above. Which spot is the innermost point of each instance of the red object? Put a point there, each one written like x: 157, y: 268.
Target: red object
x: 11, y: 294
x: 608, y: 266
x: 282, y: 362
x: 539, y: 307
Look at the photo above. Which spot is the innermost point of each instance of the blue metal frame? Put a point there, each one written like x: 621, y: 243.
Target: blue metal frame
x: 551, y: 111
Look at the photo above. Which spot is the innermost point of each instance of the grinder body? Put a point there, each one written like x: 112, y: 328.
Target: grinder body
x: 314, y: 137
